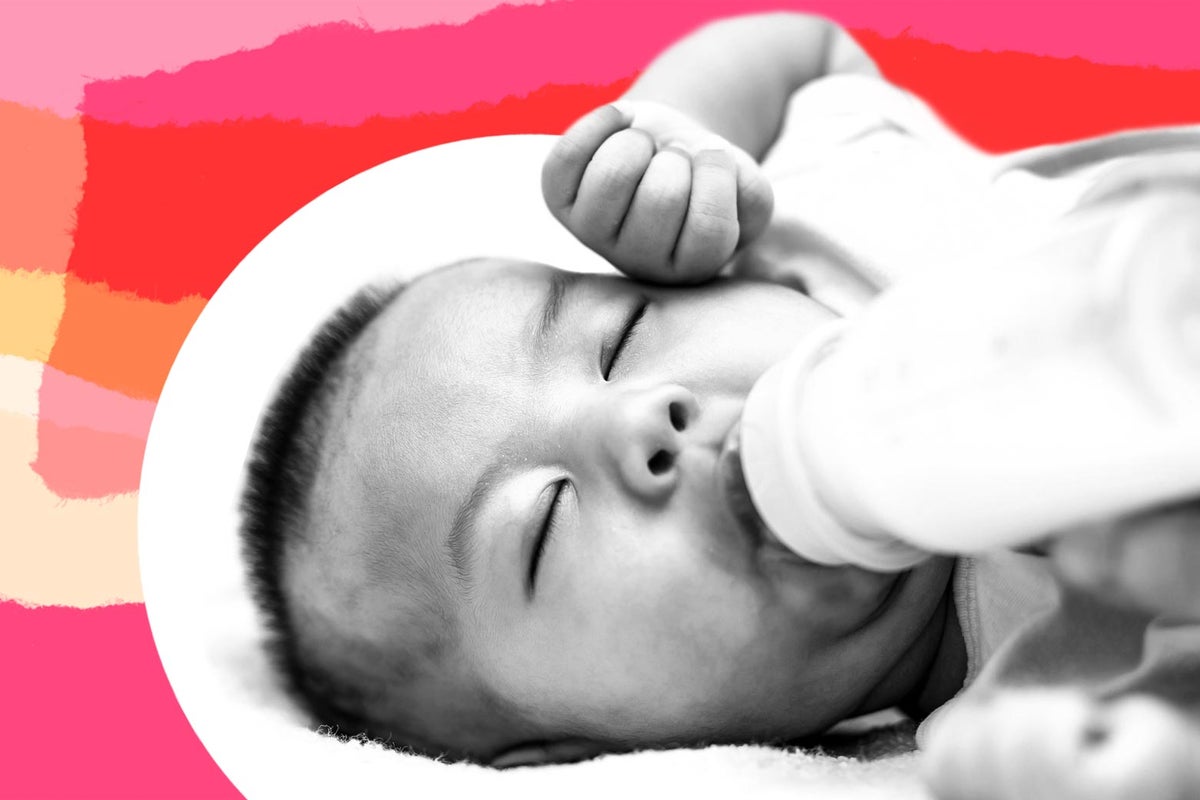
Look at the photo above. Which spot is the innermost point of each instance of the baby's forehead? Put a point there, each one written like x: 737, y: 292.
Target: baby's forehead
x: 473, y: 313
x: 439, y: 386
x: 449, y: 331
x: 405, y: 430
x: 475, y: 282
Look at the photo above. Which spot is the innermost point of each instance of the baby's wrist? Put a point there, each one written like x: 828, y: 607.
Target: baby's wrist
x: 672, y: 128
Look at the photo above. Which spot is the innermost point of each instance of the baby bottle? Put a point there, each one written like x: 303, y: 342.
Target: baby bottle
x: 990, y: 405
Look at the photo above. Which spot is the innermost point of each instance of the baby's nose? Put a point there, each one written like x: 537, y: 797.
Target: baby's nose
x: 644, y: 437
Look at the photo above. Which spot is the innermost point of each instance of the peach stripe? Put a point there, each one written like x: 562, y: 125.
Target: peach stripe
x: 19, y: 381
x: 31, y: 305
x: 56, y: 552
x: 42, y: 166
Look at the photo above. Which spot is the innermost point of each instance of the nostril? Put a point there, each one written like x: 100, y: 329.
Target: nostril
x: 679, y: 415
x: 661, y: 462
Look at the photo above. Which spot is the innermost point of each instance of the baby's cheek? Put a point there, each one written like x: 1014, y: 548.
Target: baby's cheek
x: 685, y: 618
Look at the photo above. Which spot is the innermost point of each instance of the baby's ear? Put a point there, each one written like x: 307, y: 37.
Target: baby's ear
x: 532, y: 754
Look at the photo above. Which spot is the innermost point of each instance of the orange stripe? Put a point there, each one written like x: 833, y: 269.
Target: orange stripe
x: 118, y: 340
x: 43, y: 164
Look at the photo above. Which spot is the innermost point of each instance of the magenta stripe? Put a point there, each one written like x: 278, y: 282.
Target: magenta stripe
x: 48, y: 50
x: 88, y: 712
x: 344, y: 73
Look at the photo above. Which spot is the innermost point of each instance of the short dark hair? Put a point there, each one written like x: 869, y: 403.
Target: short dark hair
x: 281, y: 474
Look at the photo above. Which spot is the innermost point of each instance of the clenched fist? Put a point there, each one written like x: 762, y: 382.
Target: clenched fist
x: 661, y: 197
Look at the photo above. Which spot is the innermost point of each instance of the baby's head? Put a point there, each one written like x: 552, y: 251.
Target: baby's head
x: 483, y: 521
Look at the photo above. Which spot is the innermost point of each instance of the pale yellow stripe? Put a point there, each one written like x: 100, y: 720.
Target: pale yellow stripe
x: 20, y: 380
x: 60, y: 552
x: 31, y: 305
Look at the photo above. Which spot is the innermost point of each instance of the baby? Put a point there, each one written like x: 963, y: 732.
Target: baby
x: 482, y: 516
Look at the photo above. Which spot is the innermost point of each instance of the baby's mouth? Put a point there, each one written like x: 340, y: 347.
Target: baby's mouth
x: 731, y: 485
x: 842, y: 598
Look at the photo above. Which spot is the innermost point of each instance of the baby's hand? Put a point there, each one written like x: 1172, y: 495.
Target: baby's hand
x: 1150, y: 561
x: 662, y: 198
x: 1060, y: 744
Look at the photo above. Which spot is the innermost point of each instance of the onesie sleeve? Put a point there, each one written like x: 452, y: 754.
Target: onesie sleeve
x: 872, y: 170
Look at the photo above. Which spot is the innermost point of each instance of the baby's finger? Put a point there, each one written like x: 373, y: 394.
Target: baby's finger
x: 987, y: 749
x: 755, y: 200
x: 1151, y: 561
x: 710, y: 230
x: 569, y: 158
x: 648, y: 234
x: 1060, y: 744
x: 1140, y: 747
x: 608, y: 186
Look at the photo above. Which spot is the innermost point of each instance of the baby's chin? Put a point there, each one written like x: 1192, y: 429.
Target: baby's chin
x: 833, y: 600
x: 911, y: 602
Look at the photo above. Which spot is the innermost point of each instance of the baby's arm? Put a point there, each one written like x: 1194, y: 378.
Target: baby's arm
x: 735, y: 77
x: 665, y: 184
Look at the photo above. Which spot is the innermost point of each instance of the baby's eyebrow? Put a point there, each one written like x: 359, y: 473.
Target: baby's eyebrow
x: 552, y: 305
x: 463, y: 541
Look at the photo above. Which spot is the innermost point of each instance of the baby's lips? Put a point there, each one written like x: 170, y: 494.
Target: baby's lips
x: 735, y: 494
x: 731, y: 486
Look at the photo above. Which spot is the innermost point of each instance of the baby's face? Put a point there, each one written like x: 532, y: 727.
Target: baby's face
x: 545, y: 468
